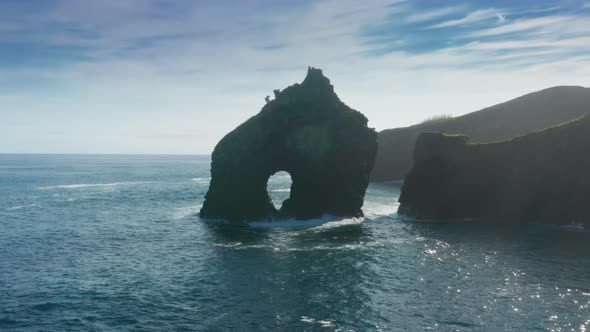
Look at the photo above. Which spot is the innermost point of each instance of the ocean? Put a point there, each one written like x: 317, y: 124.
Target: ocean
x: 115, y: 243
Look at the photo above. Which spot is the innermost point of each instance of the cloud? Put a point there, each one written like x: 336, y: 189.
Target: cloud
x: 431, y: 15
x: 580, y: 43
x: 473, y: 17
x: 192, y: 71
x: 520, y: 26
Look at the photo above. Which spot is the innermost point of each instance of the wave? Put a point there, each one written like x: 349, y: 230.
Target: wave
x: 186, y: 211
x: 75, y: 199
x: 230, y: 245
x: 288, y: 248
x: 90, y: 185
x: 381, y: 210
x: 322, y: 323
x: 325, y: 222
x: 340, y: 223
x: 281, y: 190
x: 573, y: 227
x: 19, y: 207
x: 201, y: 180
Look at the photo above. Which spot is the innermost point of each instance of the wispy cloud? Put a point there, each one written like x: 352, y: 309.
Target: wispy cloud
x: 520, y: 26
x: 431, y: 14
x: 536, y: 10
x: 581, y: 43
x: 473, y: 17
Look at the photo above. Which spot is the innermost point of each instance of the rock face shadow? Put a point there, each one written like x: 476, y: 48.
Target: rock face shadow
x: 324, y: 145
x: 540, y: 178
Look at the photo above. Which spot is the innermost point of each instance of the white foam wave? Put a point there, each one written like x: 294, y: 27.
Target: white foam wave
x: 228, y: 245
x: 281, y: 190
x: 325, y: 222
x: 573, y: 227
x: 19, y: 207
x: 381, y: 210
x: 286, y: 248
x: 201, y: 180
x: 90, y: 185
x: 340, y: 223
x: 75, y: 199
x: 186, y: 211
x: 322, y: 323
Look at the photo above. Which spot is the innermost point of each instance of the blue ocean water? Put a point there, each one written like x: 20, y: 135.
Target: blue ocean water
x: 114, y: 243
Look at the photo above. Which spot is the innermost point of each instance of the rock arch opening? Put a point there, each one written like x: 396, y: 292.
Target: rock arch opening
x: 278, y: 188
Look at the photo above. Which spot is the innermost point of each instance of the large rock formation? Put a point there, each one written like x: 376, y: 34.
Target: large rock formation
x: 519, y: 116
x: 307, y: 131
x: 540, y: 177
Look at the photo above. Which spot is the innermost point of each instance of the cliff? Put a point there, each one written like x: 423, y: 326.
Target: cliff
x: 528, y: 113
x: 326, y: 146
x: 542, y: 177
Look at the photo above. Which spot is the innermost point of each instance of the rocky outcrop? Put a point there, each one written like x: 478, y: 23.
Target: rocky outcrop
x: 516, y: 117
x: 540, y: 177
x: 324, y: 145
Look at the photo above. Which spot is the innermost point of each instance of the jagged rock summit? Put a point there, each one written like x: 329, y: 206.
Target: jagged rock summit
x: 324, y: 145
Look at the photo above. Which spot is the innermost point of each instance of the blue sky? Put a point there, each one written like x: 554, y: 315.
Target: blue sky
x: 157, y: 76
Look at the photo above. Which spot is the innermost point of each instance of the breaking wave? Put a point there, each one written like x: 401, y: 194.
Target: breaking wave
x: 90, y: 185
x: 281, y: 190
x: 325, y: 222
x: 288, y: 247
x: 19, y: 207
x: 201, y: 180
x: 380, y: 210
x: 186, y: 211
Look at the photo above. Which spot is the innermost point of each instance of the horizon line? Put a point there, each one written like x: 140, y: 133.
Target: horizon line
x: 102, y: 154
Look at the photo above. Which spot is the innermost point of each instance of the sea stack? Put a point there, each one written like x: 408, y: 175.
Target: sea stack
x: 541, y: 177
x: 324, y: 145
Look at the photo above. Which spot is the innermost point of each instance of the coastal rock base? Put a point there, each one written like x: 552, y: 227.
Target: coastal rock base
x: 542, y: 177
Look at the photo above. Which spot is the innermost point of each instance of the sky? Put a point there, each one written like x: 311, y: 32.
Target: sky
x: 173, y: 77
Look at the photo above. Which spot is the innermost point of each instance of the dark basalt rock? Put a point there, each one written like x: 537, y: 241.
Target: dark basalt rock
x: 307, y: 131
x: 542, y: 177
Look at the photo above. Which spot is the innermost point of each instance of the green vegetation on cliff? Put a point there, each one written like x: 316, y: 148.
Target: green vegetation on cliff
x: 528, y: 113
x: 542, y: 177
